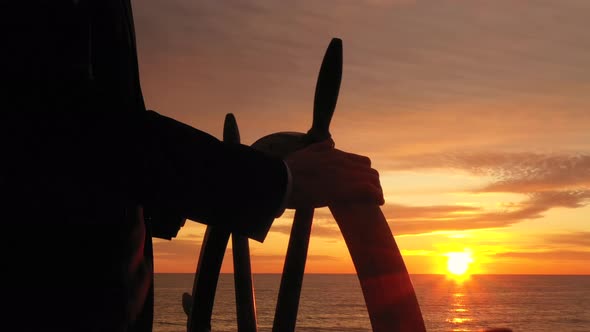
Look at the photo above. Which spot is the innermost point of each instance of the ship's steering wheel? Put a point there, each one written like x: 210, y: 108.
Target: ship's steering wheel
x: 389, y: 295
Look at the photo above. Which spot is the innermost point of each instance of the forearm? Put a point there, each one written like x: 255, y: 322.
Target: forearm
x: 194, y: 175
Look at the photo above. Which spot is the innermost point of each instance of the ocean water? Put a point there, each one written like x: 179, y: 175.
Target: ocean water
x: 335, y: 303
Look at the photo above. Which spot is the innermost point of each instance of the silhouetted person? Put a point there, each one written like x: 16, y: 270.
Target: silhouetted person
x: 81, y: 157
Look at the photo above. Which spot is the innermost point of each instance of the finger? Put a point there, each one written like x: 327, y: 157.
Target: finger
x: 347, y: 159
x: 356, y: 174
x: 368, y: 193
x: 360, y: 192
x: 327, y: 144
x: 355, y: 158
x: 372, y: 176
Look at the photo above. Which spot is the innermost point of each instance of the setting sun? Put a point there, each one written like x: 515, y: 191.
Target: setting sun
x: 458, y: 263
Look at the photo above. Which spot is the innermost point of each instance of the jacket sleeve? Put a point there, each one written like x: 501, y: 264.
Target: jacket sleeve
x: 192, y: 174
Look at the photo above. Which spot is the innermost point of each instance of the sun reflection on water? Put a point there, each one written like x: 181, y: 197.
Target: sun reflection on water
x: 459, y: 312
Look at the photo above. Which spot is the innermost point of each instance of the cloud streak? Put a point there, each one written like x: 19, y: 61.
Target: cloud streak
x: 576, y: 239
x: 562, y: 255
x: 514, y: 172
x: 550, y: 181
x: 534, y: 208
x: 406, y: 220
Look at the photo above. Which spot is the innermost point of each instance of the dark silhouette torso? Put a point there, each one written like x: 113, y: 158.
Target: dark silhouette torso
x: 81, y: 154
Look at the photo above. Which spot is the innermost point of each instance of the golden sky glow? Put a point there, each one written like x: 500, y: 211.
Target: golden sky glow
x: 476, y: 113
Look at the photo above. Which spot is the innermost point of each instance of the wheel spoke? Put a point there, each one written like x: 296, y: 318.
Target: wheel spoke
x: 326, y: 91
x: 387, y: 288
x: 209, y: 266
x: 293, y: 270
x: 206, y: 277
x: 245, y: 301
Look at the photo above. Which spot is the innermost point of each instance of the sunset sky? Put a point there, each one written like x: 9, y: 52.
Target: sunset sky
x: 475, y: 112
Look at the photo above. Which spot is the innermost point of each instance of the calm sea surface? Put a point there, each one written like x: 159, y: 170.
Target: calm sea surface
x: 335, y: 303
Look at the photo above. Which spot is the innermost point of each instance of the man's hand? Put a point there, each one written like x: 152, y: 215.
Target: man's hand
x: 322, y: 175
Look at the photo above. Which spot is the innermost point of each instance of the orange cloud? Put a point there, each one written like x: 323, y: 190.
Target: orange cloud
x: 530, y: 209
x: 550, y: 181
x: 515, y: 172
x: 578, y: 239
x: 426, y: 219
x: 564, y: 255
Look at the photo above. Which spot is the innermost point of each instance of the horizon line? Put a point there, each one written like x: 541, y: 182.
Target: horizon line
x: 417, y: 274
